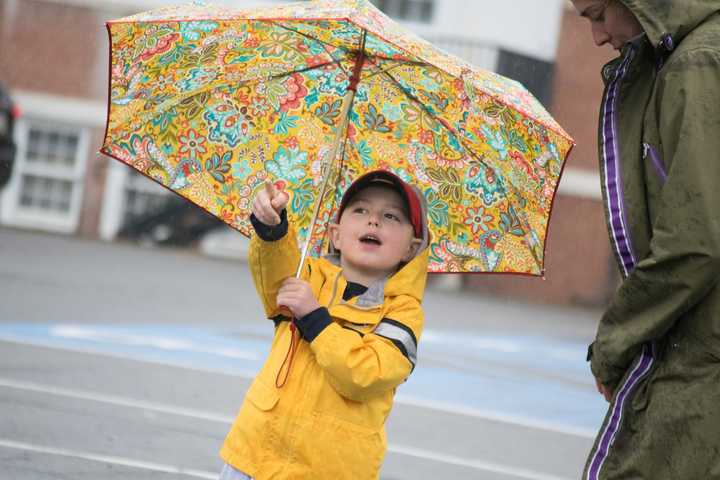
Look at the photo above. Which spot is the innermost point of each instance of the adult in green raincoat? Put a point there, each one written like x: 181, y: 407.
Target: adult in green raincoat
x: 656, y: 356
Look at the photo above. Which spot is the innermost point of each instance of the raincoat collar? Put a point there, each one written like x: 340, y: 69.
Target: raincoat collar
x: 407, y: 280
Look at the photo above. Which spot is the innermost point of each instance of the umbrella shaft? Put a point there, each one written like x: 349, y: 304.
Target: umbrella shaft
x: 327, y: 173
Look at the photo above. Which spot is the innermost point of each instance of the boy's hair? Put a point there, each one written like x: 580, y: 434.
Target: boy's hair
x: 383, y: 178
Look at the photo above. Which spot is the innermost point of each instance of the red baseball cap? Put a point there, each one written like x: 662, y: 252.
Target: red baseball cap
x: 411, y: 195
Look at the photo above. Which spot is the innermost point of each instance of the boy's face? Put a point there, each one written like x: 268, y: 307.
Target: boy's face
x: 374, y: 234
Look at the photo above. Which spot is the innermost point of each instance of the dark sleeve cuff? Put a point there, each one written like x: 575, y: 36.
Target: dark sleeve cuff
x: 270, y: 233
x: 313, y: 323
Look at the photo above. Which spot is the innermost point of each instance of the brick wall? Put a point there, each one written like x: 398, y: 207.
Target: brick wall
x: 579, y: 268
x: 60, y: 50
x: 53, y: 48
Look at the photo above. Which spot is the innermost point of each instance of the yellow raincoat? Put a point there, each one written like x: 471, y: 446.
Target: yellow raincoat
x: 328, y: 420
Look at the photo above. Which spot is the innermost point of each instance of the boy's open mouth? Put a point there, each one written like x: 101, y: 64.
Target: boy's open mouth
x: 370, y: 239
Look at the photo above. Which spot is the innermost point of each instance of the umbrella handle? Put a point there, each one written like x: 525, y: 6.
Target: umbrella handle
x: 326, y: 173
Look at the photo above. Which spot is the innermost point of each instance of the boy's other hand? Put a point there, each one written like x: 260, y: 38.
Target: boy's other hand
x: 268, y: 203
x: 297, y: 295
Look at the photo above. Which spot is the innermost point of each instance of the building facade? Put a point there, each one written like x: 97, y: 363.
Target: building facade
x: 54, y: 59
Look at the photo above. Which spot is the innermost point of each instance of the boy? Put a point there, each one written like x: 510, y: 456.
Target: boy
x: 318, y: 407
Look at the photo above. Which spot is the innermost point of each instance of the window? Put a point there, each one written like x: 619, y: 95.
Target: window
x: 411, y: 10
x: 143, y: 197
x: 46, y: 188
x: 48, y: 151
x: 536, y: 75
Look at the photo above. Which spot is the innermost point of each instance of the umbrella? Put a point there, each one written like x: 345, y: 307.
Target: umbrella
x: 213, y: 102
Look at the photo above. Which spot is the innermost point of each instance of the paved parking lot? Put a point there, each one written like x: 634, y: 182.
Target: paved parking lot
x: 120, y: 362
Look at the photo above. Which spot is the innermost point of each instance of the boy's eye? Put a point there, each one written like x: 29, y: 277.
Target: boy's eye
x: 392, y: 216
x: 359, y: 210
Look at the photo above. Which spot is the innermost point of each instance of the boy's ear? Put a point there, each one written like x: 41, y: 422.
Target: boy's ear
x: 412, y: 249
x: 334, y: 230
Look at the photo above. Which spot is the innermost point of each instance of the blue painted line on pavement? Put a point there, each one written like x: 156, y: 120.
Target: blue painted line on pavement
x: 540, y: 379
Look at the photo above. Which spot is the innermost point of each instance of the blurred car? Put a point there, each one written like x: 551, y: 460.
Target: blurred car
x: 8, y: 113
x: 177, y: 223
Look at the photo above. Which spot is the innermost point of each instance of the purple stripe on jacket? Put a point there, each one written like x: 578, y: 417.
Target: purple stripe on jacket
x: 613, y: 425
x: 611, y: 162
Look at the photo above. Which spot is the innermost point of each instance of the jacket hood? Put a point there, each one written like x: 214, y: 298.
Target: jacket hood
x: 667, y: 22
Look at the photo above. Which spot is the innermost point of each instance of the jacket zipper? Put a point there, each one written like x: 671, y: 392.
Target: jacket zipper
x: 657, y: 163
x: 610, y: 151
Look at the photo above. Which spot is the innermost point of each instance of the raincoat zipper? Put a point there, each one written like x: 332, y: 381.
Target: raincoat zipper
x: 657, y: 163
x: 614, y: 197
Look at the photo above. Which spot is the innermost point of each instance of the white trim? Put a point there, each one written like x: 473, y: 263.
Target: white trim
x: 113, y: 203
x: 64, y: 110
x: 580, y: 183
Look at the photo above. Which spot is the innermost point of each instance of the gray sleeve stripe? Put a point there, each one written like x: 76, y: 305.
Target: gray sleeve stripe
x: 399, y: 334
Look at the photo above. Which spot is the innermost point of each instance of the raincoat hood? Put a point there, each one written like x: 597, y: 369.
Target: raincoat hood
x: 667, y: 22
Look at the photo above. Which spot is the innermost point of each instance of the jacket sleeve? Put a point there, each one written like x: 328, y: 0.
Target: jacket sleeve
x: 271, y: 262
x: 684, y: 260
x: 361, y: 366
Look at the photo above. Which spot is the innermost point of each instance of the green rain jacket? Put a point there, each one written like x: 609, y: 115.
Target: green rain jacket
x: 658, y: 343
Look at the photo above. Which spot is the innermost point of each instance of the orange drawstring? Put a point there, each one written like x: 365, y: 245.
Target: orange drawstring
x: 289, y: 356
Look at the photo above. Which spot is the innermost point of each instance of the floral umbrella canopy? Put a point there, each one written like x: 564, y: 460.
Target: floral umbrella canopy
x: 213, y: 102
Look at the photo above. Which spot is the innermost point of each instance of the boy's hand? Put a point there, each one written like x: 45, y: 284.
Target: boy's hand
x: 297, y: 295
x: 268, y: 204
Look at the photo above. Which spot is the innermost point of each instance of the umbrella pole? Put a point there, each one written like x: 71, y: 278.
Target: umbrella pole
x: 339, y: 135
x: 326, y: 173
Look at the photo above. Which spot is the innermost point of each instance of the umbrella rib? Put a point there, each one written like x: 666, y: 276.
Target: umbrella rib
x: 380, y: 71
x: 322, y: 43
x: 145, y: 118
x: 469, y: 151
x: 346, y: 50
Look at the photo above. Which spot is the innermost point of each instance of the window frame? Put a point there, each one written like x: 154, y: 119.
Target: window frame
x: 12, y: 212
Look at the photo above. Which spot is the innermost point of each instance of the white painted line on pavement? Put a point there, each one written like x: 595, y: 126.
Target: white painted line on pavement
x: 464, y: 411
x: 478, y: 465
x: 400, y: 399
x: 186, y: 412
x: 120, y: 356
x: 114, y: 400
x: 125, y: 462
x: 159, y: 342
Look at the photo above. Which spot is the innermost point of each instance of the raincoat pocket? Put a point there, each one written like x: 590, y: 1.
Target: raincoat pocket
x: 351, y: 450
x: 264, y: 397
